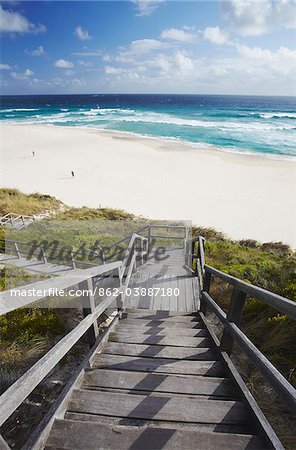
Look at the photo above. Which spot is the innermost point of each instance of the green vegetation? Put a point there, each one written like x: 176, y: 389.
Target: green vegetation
x: 14, y: 201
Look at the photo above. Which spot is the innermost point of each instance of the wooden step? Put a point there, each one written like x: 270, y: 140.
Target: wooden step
x: 170, y: 366
x: 176, y: 341
x: 153, y: 382
x: 161, y: 314
x: 164, y: 407
x: 161, y: 323
x: 158, y: 351
x: 161, y: 331
x: 156, y: 311
x: 187, y: 318
x: 70, y: 435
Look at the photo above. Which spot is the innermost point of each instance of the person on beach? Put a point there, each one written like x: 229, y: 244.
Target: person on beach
x: 33, y: 153
x: 72, y: 173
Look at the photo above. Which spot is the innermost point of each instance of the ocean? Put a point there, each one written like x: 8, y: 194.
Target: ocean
x: 244, y: 124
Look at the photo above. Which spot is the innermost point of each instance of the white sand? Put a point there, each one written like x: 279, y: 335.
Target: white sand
x: 242, y: 195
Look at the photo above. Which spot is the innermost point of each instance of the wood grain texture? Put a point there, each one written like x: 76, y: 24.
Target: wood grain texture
x: 116, y: 362
x: 153, y: 382
x: 123, y: 328
x: 160, y: 323
x: 158, y: 408
x: 159, y: 351
x: 181, y: 341
x: 68, y: 434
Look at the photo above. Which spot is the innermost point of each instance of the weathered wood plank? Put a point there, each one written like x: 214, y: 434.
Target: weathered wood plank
x: 161, y: 331
x: 144, y: 312
x: 151, y: 382
x: 162, y: 317
x: 181, y: 341
x: 158, y: 351
x: 161, y: 324
x: 182, y: 294
x: 117, y: 362
x: 154, y: 407
x: 189, y: 294
x: 68, y: 434
x: 107, y: 420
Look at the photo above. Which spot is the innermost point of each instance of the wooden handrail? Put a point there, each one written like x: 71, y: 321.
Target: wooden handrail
x: 276, y: 379
x: 232, y: 319
x: 8, y: 302
x: 281, y: 304
x: 19, y: 391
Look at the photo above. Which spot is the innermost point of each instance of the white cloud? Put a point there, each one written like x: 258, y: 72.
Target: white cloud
x: 180, y: 35
x: 87, y: 52
x: 215, y: 35
x: 14, y: 22
x: 136, y: 49
x: 146, y: 7
x: 39, y: 51
x: 254, y: 18
x: 63, y: 64
x: 22, y: 75
x: 85, y: 63
x: 110, y: 70
x: 184, y: 63
x: 82, y: 34
x: 5, y: 67
x: 146, y: 45
x: 267, y: 72
x: 283, y: 56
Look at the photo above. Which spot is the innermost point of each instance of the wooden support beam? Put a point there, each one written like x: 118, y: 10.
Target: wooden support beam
x: 88, y: 303
x: 234, y: 314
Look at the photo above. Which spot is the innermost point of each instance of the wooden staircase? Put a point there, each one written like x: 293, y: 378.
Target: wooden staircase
x: 157, y: 383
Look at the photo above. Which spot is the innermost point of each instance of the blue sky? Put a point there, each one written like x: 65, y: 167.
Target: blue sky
x: 148, y: 46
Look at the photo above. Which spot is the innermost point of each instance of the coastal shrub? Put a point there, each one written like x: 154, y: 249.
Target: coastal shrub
x: 14, y: 201
x: 85, y: 213
x: 23, y: 325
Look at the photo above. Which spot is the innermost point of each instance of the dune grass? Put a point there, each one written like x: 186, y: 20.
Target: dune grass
x: 14, y: 201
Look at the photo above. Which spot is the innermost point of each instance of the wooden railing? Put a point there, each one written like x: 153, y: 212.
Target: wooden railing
x: 231, y: 320
x: 13, y: 397
x: 48, y: 252
x: 16, y: 220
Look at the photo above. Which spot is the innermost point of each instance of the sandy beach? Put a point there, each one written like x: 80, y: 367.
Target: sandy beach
x: 244, y: 196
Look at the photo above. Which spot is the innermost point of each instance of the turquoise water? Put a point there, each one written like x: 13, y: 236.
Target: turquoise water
x: 261, y: 125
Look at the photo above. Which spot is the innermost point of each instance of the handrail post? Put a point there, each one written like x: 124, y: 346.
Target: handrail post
x: 142, y: 251
x: 17, y: 250
x: 149, y: 237
x: 88, y: 307
x: 193, y: 247
x: 43, y: 254
x: 201, y: 253
x: 234, y: 314
x: 72, y: 260
x: 120, y: 302
x: 206, y: 288
x: 103, y: 256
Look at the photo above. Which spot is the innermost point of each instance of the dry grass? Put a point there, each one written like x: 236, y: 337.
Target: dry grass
x: 14, y: 201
